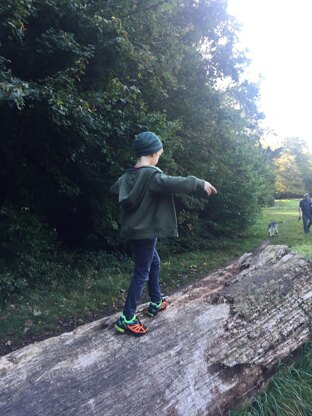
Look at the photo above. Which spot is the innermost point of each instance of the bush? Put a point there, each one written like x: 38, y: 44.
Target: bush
x: 28, y: 251
x: 32, y: 257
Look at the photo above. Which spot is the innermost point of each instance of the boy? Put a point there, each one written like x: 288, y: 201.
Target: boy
x: 147, y: 213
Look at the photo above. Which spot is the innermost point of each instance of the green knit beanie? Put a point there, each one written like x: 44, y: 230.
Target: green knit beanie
x: 146, y: 144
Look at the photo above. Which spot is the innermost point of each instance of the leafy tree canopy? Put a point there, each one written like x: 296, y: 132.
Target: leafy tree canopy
x: 78, y: 79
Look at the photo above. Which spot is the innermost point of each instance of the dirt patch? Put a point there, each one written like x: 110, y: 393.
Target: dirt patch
x: 63, y: 327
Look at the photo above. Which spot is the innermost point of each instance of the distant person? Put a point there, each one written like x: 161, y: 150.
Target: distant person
x: 305, y: 207
x: 146, y: 202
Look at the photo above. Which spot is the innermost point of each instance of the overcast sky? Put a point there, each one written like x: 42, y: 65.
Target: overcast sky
x: 278, y: 35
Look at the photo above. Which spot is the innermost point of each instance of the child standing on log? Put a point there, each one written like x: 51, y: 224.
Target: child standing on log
x: 147, y: 213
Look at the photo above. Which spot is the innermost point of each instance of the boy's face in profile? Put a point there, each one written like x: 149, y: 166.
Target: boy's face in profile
x: 155, y: 157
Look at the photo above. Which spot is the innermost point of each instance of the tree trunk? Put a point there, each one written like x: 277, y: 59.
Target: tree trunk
x: 214, y: 345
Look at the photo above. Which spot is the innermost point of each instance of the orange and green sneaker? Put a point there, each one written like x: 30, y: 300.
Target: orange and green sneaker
x: 154, y: 308
x: 132, y: 326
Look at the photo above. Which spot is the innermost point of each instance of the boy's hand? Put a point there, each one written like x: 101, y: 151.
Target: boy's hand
x: 209, y: 188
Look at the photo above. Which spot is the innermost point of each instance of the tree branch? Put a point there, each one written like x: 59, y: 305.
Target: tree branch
x: 153, y: 6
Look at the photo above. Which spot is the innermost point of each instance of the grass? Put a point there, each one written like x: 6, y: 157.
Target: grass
x: 45, y: 311
x: 290, y: 229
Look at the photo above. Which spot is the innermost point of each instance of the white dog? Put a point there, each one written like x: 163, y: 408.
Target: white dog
x: 273, y: 228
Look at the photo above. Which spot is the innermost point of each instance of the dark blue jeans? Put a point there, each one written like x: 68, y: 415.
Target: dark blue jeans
x: 306, y: 219
x: 146, y: 269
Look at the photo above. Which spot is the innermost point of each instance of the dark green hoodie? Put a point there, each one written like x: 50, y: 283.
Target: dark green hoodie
x: 146, y: 201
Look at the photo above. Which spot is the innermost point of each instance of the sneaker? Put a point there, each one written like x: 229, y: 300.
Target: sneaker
x: 132, y: 326
x: 154, y: 308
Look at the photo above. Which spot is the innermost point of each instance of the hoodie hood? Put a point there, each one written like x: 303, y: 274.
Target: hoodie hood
x: 133, y: 186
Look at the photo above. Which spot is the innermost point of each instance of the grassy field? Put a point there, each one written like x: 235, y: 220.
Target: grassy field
x: 44, y: 312
x: 289, y: 392
x: 290, y: 229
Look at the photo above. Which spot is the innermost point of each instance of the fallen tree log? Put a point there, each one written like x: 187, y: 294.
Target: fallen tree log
x: 214, y: 345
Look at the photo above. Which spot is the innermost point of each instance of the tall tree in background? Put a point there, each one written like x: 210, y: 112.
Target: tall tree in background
x: 294, y: 168
x: 79, y: 79
x: 289, y: 179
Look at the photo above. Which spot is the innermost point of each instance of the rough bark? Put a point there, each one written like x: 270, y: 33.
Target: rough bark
x: 214, y: 345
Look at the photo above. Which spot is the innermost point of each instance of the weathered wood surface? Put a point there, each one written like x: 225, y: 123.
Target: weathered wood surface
x: 213, y: 345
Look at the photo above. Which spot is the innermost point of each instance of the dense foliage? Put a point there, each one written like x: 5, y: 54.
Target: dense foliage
x: 293, y: 168
x: 78, y: 79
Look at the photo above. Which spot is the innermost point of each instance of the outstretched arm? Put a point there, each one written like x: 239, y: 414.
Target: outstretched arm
x: 179, y: 184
